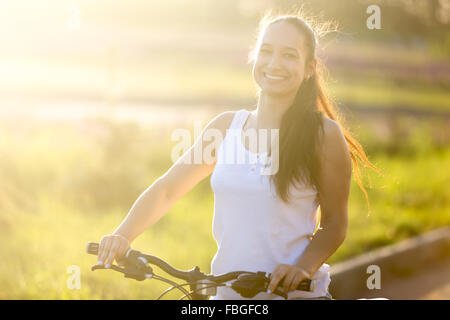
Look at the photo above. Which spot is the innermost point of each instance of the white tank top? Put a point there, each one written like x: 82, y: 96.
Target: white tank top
x: 254, y: 229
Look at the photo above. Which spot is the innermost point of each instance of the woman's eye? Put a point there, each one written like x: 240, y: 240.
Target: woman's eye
x: 288, y: 55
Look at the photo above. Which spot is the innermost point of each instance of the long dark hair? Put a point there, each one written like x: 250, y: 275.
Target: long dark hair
x: 302, y: 124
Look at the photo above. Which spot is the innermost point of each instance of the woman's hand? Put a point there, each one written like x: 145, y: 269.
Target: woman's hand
x: 292, y: 275
x: 112, y: 247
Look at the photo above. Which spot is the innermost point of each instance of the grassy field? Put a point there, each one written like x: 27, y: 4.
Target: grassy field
x: 63, y: 186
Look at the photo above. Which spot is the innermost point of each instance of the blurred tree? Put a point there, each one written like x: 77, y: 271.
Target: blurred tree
x: 405, y: 18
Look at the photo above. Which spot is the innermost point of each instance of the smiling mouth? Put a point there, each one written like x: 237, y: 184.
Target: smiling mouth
x: 273, y: 77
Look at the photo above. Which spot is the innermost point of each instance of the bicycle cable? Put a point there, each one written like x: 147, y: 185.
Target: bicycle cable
x: 174, y: 287
x: 195, y: 291
x: 174, y: 284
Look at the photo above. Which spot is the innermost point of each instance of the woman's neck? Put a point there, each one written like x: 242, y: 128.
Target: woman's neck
x: 270, y: 110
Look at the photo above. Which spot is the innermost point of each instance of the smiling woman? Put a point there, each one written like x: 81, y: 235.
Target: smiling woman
x: 285, y: 62
x: 267, y: 222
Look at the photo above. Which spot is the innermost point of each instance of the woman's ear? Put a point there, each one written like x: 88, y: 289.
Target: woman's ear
x: 311, y: 70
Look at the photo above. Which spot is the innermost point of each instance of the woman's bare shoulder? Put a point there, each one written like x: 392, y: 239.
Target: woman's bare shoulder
x: 334, y: 144
x: 332, y: 132
x: 222, y: 121
x: 331, y: 127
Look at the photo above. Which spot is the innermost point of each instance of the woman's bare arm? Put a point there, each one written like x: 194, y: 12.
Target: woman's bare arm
x: 334, y: 190
x: 157, y: 199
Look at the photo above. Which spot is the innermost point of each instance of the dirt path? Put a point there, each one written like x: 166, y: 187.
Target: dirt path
x: 430, y: 284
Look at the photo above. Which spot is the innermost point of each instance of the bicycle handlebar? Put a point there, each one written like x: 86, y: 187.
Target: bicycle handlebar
x: 190, y: 275
x: 193, y: 274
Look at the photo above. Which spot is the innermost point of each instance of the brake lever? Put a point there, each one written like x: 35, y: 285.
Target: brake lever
x: 279, y: 290
x: 113, y: 267
x: 249, y: 285
x: 280, y: 293
x: 129, y: 271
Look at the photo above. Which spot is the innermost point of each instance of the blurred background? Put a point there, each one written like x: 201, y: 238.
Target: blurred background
x: 90, y: 92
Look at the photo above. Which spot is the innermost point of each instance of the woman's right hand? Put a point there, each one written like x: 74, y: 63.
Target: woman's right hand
x: 112, y: 247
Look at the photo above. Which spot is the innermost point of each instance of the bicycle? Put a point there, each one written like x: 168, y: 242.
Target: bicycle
x: 136, y: 265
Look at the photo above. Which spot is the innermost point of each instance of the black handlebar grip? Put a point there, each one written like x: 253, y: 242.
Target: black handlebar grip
x: 92, y: 248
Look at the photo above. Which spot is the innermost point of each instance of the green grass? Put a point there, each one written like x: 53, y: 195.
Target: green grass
x: 63, y: 186
x: 371, y: 93
x: 410, y: 198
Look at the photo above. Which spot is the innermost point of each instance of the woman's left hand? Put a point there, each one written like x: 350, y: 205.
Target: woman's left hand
x: 292, y: 275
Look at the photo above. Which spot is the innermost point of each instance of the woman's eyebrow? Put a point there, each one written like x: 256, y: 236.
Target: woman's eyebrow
x: 285, y: 47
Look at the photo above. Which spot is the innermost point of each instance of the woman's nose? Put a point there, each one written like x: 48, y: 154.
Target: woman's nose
x: 274, y: 63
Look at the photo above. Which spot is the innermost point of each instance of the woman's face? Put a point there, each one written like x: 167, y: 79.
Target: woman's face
x: 279, y: 67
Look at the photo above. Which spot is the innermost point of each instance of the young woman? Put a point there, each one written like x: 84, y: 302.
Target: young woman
x: 266, y: 222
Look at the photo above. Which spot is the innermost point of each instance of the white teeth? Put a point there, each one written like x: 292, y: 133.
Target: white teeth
x: 273, y: 77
